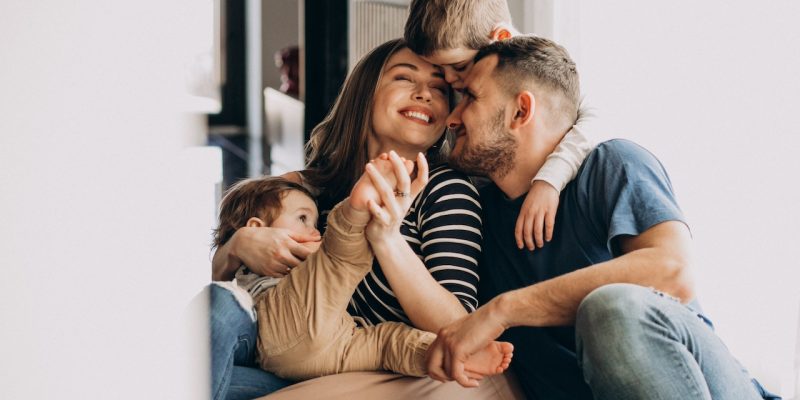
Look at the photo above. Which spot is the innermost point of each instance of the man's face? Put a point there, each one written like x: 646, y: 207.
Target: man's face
x: 456, y: 63
x: 484, y: 144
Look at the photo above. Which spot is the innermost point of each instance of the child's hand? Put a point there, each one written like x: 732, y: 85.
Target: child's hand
x: 389, y: 210
x: 537, y: 216
x: 364, y: 190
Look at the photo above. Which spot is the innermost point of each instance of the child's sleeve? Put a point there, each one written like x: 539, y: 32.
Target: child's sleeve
x: 562, y: 165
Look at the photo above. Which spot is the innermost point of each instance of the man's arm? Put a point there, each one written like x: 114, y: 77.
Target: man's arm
x: 658, y: 257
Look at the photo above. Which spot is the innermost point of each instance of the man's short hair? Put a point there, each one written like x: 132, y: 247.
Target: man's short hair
x: 254, y: 197
x: 434, y: 25
x: 539, y: 65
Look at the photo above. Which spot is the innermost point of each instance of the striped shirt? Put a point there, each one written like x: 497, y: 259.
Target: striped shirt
x: 443, y: 227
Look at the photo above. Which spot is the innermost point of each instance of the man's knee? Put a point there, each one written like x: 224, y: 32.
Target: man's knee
x: 614, y: 304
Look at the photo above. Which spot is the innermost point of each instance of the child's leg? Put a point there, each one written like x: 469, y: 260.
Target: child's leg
x: 400, y: 348
x: 308, y: 306
x: 392, y: 346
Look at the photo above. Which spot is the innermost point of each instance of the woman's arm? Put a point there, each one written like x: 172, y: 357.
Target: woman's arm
x: 444, y: 287
x: 266, y: 251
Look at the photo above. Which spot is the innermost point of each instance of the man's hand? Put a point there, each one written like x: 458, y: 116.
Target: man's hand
x: 537, y: 217
x: 456, y: 342
x: 272, y: 251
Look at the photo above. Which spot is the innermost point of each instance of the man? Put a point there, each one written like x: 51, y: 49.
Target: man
x: 606, y: 309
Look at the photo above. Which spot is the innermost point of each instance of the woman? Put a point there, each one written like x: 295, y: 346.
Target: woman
x: 393, y: 100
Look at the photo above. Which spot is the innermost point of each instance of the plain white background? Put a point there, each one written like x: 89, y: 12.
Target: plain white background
x: 100, y: 250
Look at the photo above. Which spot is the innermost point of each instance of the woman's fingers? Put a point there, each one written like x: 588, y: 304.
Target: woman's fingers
x: 385, y: 191
x: 422, y: 176
x: 377, y: 212
x: 401, y: 173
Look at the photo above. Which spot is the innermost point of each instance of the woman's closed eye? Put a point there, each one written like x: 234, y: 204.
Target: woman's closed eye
x: 441, y: 87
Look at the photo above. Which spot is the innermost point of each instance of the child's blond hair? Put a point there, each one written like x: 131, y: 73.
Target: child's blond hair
x: 435, y: 25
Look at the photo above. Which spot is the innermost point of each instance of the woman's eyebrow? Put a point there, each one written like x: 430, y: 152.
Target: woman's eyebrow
x: 406, y: 65
x: 437, y: 73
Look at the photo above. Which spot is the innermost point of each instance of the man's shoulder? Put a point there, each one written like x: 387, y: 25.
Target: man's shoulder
x: 615, y: 157
x: 619, y: 151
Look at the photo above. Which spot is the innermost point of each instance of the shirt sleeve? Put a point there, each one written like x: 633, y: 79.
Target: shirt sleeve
x: 450, y: 234
x: 562, y: 165
x: 627, y: 191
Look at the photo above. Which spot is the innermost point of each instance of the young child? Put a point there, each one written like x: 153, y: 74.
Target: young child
x: 449, y: 33
x: 304, y: 330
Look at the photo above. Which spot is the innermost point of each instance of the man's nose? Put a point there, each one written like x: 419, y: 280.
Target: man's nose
x: 454, y: 119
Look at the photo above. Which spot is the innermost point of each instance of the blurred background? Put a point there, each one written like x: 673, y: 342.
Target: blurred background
x: 122, y: 123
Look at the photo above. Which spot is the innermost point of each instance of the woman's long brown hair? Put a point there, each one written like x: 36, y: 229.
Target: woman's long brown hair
x: 338, y: 148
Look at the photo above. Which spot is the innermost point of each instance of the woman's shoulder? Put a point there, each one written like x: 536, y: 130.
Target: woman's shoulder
x: 448, y: 189
x: 444, y: 173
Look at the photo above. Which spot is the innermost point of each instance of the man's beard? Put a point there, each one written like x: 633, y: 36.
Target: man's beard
x: 494, y: 156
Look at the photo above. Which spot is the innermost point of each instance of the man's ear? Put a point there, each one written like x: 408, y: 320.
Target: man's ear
x: 525, y: 107
x: 502, y: 31
x: 254, y: 222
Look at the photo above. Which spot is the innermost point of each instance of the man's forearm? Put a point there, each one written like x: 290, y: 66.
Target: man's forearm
x: 555, y: 302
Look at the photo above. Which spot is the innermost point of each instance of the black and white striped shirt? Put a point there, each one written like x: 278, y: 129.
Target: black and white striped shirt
x: 443, y: 227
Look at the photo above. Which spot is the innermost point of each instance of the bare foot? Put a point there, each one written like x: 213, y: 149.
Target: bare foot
x: 491, y: 360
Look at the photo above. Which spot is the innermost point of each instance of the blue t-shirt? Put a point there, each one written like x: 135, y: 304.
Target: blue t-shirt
x: 621, y: 189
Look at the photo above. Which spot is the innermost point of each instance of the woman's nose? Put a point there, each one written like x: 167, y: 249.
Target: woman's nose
x: 423, y: 93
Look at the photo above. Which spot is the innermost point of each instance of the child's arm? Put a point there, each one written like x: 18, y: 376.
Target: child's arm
x: 538, y: 213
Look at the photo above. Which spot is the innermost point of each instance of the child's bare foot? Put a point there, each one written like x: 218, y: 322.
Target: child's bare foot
x: 491, y: 360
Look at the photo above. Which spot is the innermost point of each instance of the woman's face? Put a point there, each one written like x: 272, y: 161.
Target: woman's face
x: 410, y: 105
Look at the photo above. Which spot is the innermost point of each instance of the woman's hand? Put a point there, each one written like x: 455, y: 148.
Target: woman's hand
x: 265, y: 251
x: 392, y: 183
x: 537, y: 216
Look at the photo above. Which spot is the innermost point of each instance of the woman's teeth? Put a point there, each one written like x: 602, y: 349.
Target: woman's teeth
x: 418, y: 115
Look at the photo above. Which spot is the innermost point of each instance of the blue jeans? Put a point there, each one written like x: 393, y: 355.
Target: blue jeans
x: 234, y: 373
x: 636, y: 343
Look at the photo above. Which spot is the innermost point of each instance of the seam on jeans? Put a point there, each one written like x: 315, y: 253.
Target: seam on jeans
x: 676, y: 353
x: 225, y: 382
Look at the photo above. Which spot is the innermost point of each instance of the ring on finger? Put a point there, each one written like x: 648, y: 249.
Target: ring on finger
x: 398, y: 193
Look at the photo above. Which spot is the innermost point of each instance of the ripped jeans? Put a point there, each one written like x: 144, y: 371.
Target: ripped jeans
x: 637, y: 343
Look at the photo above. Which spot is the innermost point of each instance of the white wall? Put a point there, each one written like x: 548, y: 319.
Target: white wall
x: 99, y: 251
x: 711, y: 88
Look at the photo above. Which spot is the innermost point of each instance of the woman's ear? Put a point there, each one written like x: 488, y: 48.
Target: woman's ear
x: 525, y: 107
x: 254, y: 222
